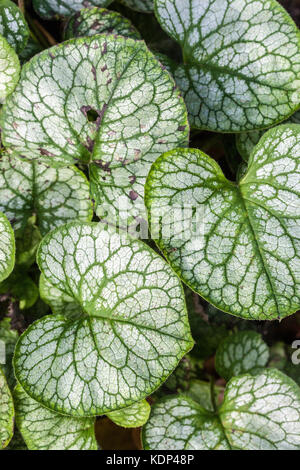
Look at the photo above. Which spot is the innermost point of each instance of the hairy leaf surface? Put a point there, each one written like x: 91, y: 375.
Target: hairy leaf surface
x: 54, y: 196
x: 43, y: 429
x: 133, y: 416
x: 130, y: 331
x: 7, y: 248
x: 49, y: 8
x: 91, y: 21
x: 9, y: 69
x: 240, y: 353
x: 6, y: 412
x: 241, y: 66
x: 13, y: 25
x: 258, y: 413
x: 100, y: 100
x: 237, y: 245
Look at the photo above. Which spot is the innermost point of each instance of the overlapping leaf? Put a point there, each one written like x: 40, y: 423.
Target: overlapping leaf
x: 246, y: 141
x: 240, y: 353
x: 9, y: 69
x: 91, y: 21
x: 43, y: 429
x: 241, y: 67
x: 258, y: 413
x: 119, y: 111
x: 130, y: 331
x: 13, y: 26
x: 133, y: 416
x: 50, y: 8
x: 7, y: 248
x: 237, y: 245
x: 6, y: 412
x: 53, y: 196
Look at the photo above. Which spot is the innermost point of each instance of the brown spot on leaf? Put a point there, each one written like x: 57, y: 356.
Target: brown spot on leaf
x: 103, y: 165
x: 132, y: 179
x: 181, y: 128
x: 133, y: 195
x: 46, y: 152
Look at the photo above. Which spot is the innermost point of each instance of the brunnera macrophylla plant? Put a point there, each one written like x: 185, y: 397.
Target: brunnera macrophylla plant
x: 102, y: 131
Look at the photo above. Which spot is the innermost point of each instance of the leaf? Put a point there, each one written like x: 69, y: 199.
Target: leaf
x: 13, y: 26
x: 179, y: 423
x: 7, y: 248
x: 241, y: 69
x: 91, y: 21
x: 43, y: 429
x: 144, y: 6
x: 133, y: 416
x: 54, y: 196
x: 200, y: 392
x: 240, y: 353
x: 8, y: 339
x: 6, y: 413
x: 48, y: 9
x: 246, y: 141
x: 258, y: 413
x: 237, y: 245
x: 130, y: 332
x: 9, y: 69
x: 119, y: 112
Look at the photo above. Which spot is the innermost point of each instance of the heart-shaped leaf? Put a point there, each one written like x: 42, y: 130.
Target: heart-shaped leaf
x: 6, y: 412
x: 240, y: 353
x: 246, y: 141
x: 144, y: 6
x: 258, y: 413
x: 130, y: 331
x: 133, y: 416
x: 13, y: 25
x: 7, y: 248
x: 237, y: 245
x: 43, y: 429
x: 241, y: 67
x: 50, y: 8
x: 120, y: 110
x: 54, y: 196
x: 9, y: 69
x: 91, y: 21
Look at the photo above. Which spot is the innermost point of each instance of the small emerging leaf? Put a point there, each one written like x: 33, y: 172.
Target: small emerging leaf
x: 13, y: 26
x: 237, y: 245
x: 7, y: 248
x: 258, y: 413
x: 241, y: 67
x: 130, y: 331
x: 240, y: 353
x: 43, y: 429
x: 91, y: 21
x: 133, y: 416
x: 6, y: 413
x: 9, y: 69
